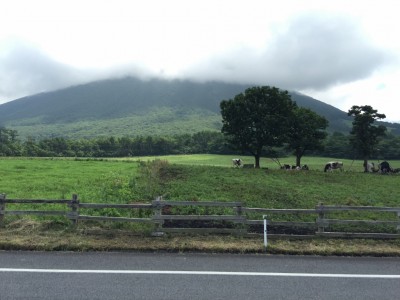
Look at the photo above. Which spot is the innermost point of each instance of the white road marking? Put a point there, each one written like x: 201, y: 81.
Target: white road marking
x: 158, y: 272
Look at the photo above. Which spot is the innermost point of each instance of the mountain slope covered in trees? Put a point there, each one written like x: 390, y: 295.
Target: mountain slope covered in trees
x: 132, y: 107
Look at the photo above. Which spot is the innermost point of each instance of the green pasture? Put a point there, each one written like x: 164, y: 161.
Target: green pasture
x: 196, y: 178
x: 315, y: 163
x: 60, y: 178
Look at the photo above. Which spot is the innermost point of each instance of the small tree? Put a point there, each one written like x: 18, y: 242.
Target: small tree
x: 365, y: 135
x: 256, y: 119
x: 307, y: 132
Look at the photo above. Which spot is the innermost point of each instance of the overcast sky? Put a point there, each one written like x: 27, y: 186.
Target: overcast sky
x: 341, y: 52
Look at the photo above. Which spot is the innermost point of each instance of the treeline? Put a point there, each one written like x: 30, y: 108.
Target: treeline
x: 202, y: 142
x: 337, y: 145
x: 206, y: 142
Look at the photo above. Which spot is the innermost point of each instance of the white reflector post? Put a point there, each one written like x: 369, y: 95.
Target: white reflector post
x: 265, y: 232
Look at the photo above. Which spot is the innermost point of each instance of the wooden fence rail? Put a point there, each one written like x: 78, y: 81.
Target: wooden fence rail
x: 166, y: 217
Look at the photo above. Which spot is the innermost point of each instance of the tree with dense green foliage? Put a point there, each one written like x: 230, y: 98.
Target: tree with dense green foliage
x: 256, y: 119
x: 307, y: 132
x: 212, y: 142
x: 389, y: 147
x: 364, y: 136
x: 337, y: 145
x: 9, y: 145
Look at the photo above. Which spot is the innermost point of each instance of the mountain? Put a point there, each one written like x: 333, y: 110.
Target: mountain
x: 130, y: 107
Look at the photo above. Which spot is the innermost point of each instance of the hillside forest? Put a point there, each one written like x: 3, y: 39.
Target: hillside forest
x: 131, y: 107
x: 336, y: 145
x: 126, y: 141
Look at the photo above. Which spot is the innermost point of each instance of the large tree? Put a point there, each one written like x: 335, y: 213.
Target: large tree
x: 256, y: 119
x: 307, y: 132
x: 365, y: 135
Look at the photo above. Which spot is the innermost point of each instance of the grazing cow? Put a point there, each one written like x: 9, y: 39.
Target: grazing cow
x: 333, y: 165
x: 305, y: 167
x: 237, y: 162
x: 384, y: 167
x: 371, y: 167
x: 288, y: 167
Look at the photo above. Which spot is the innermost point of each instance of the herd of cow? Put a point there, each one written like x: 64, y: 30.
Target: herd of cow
x: 383, y: 167
x: 289, y: 167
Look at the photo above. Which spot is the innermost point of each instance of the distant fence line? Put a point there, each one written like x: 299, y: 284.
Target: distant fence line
x: 237, y: 222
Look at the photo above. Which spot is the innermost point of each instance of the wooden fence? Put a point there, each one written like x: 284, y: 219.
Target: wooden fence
x: 227, y: 217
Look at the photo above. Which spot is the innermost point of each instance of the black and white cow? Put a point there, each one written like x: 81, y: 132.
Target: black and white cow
x: 333, y: 165
x: 286, y: 167
x: 237, y: 162
x: 293, y: 167
x: 371, y: 167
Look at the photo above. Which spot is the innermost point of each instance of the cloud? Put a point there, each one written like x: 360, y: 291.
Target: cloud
x: 308, y: 52
x: 26, y: 70
x: 311, y: 52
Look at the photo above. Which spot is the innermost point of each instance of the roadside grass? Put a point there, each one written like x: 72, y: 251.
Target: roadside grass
x: 188, y: 177
x: 46, y: 238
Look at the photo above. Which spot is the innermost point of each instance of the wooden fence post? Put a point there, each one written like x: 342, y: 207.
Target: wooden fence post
x: 240, y: 226
x: 74, y: 213
x: 156, y: 216
x: 2, y: 206
x: 321, y: 217
x: 398, y: 216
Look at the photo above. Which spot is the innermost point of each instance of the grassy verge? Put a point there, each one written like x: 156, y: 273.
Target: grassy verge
x: 40, y: 238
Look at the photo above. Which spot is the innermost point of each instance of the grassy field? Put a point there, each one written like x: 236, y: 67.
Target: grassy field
x: 183, y: 177
x: 315, y: 163
x: 201, y: 177
x: 60, y: 178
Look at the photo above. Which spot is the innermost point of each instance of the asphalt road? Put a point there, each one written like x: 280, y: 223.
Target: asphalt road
x: 93, y: 275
